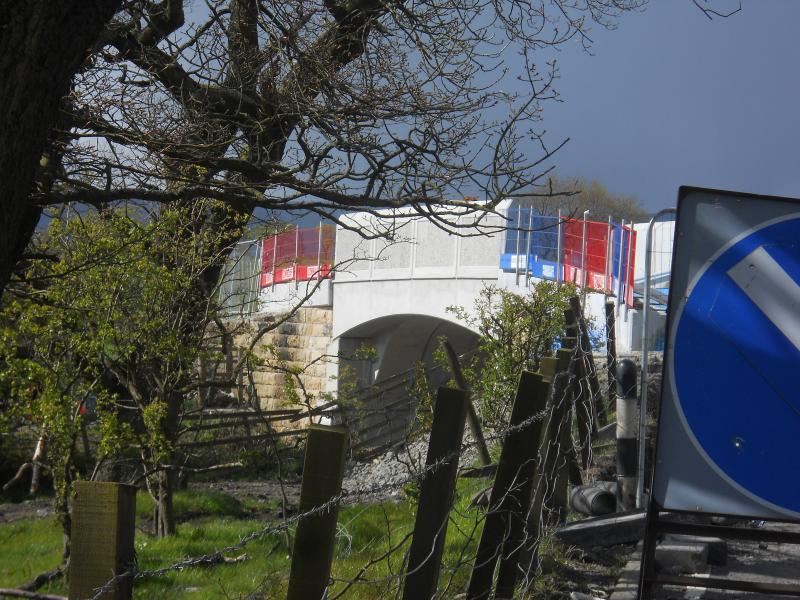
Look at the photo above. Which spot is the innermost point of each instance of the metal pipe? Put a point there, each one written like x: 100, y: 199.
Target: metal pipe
x: 619, y: 270
x: 584, y: 274
x: 274, y: 255
x: 645, y: 351
x: 528, y: 248
x: 296, y: 253
x: 257, y: 275
x: 516, y: 251
x: 627, y: 272
x: 319, y: 250
x: 609, y: 250
x: 558, y: 249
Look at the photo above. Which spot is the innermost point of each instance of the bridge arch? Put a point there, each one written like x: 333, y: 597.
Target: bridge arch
x: 385, y: 407
x: 399, y: 341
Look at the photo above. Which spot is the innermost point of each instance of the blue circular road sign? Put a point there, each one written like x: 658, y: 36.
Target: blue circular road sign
x: 736, y: 363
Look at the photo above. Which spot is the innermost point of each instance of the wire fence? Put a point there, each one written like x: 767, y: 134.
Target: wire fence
x: 546, y: 445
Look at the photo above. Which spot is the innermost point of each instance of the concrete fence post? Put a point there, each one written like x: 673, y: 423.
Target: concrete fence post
x: 557, y: 503
x: 103, y: 528
x: 627, y: 425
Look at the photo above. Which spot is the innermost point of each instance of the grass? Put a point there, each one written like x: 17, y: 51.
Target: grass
x: 215, y: 520
x: 365, y: 533
x: 28, y: 548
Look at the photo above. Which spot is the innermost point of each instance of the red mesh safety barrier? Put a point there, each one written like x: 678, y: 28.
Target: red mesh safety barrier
x: 298, y: 255
x: 600, y: 258
x: 629, y: 279
x: 307, y: 254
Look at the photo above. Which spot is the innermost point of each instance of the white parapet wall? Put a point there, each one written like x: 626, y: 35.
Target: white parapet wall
x: 279, y: 298
x: 422, y: 270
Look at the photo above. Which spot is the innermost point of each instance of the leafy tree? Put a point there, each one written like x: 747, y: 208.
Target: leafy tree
x: 119, y: 313
x: 516, y: 331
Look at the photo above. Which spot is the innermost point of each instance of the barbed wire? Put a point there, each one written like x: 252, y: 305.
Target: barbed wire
x: 550, y: 459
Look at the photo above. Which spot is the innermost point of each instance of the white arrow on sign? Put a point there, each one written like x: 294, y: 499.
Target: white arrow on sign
x: 765, y: 282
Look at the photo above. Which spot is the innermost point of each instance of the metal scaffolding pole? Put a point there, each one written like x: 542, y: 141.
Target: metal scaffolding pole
x: 319, y: 249
x: 516, y: 252
x: 296, y: 253
x: 619, y: 268
x: 274, y: 256
x: 584, y: 274
x: 528, y: 248
x: 558, y: 249
x: 609, y: 250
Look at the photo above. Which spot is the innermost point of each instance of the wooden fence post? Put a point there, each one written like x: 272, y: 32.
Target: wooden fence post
x: 584, y: 410
x: 323, y: 469
x: 103, y: 528
x: 511, y: 492
x: 436, y: 494
x: 472, y: 416
x: 565, y: 457
x: 545, y: 475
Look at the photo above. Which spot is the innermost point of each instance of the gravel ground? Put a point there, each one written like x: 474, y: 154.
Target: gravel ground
x: 11, y: 512
x: 388, y: 473
x: 377, y: 480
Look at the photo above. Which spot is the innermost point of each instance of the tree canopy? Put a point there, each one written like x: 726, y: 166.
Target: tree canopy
x: 572, y: 196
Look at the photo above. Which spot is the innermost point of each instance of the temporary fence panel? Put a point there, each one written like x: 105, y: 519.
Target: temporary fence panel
x: 298, y: 255
x: 238, y: 289
x: 532, y: 244
x: 546, y: 247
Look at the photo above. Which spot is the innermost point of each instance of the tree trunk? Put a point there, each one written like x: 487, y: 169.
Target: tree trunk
x: 164, y: 510
x: 42, y: 45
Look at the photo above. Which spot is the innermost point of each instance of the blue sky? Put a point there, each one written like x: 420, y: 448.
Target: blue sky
x: 670, y: 98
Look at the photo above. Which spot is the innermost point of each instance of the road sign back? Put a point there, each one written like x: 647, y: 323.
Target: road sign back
x: 729, y: 433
